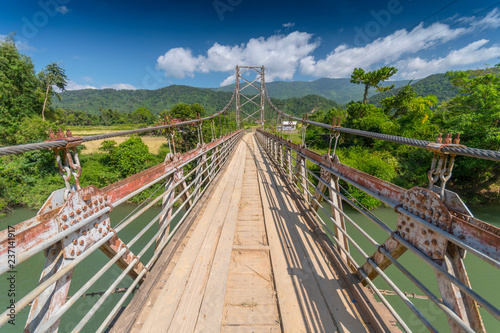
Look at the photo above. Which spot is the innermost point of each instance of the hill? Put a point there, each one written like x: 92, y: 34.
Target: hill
x: 341, y: 91
x: 436, y: 84
x: 90, y: 100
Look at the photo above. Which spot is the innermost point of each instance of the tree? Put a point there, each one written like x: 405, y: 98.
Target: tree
x: 21, y: 92
x: 52, y: 75
x: 373, y: 79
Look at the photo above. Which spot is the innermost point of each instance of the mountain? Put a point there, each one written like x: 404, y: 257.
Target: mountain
x: 90, y: 100
x: 341, y: 91
x: 436, y: 84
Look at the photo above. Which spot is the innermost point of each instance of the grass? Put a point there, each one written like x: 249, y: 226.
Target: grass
x: 153, y: 142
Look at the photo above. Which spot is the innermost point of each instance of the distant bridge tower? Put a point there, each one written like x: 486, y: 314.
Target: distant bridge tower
x: 261, y: 91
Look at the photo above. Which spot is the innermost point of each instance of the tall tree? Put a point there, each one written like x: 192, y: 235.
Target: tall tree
x: 373, y: 79
x: 52, y: 75
x: 21, y: 92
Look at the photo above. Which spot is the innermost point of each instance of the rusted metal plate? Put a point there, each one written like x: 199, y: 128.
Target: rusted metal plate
x: 83, y: 204
x: 427, y: 205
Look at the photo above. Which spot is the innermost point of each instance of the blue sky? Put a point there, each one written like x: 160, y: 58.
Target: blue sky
x: 151, y: 44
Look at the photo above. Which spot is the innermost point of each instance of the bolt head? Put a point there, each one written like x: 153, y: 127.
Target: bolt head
x: 86, y: 197
x: 78, y: 252
x: 95, y: 202
x: 100, y: 199
x: 429, y: 253
x: 71, y: 214
x: 85, y: 215
x: 75, y: 241
x: 73, y: 222
x: 64, y: 217
x: 426, y: 243
x: 72, y: 252
x: 96, y: 225
x: 424, y: 232
x: 65, y: 227
x: 81, y: 242
x: 78, y: 211
x: 100, y: 229
x: 434, y: 242
x: 84, y: 232
x: 407, y: 229
x: 411, y: 225
x: 85, y: 207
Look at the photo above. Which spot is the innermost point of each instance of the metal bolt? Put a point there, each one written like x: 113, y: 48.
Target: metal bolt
x: 64, y: 217
x: 85, y: 207
x: 91, y: 212
x: 96, y: 209
x: 72, y: 252
x: 411, y: 210
x: 405, y: 207
x: 86, y: 197
x: 429, y: 220
x: 73, y: 222
x: 411, y: 225
x: 78, y: 211
x: 418, y: 205
x: 407, y: 229
x: 402, y: 234
x: 100, y: 199
x: 438, y: 253
x: 101, y: 206
x: 407, y: 200
x: 71, y: 214
x: 96, y: 225
x: 401, y: 198
x: 84, y: 232
x: 95, y: 202
x: 413, y: 202
x: 78, y: 252
x: 90, y: 204
x: 104, y: 234
x: 429, y: 253
x: 85, y: 215
x: 437, y: 214
x: 430, y: 211
x: 403, y: 222
x: 78, y: 219
x: 424, y: 232
x: 81, y: 242
x: 399, y: 227
x: 434, y: 242
x: 75, y: 241
x: 108, y: 227
x: 100, y: 229
x: 430, y: 231
x: 426, y: 243
x: 443, y: 227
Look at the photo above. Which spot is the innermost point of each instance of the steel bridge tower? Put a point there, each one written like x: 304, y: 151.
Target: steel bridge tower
x: 261, y: 91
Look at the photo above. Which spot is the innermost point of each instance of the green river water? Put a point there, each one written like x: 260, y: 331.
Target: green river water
x: 484, y: 278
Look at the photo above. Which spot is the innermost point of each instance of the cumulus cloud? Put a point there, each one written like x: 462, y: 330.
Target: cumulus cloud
x: 343, y: 59
x: 470, y: 54
x: 119, y: 86
x: 72, y: 85
x: 288, y: 25
x: 63, y: 9
x: 280, y: 53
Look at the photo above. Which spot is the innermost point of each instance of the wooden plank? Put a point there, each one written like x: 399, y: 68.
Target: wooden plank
x: 318, y: 292
x: 128, y: 319
x: 209, y: 318
x: 292, y: 317
x: 162, y: 313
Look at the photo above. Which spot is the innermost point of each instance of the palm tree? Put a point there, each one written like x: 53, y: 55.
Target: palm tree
x: 52, y: 75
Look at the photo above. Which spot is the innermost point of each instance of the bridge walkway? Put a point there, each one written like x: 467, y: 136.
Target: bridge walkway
x: 249, y: 263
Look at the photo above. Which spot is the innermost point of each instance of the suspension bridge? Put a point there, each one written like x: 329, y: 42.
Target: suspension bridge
x: 250, y: 238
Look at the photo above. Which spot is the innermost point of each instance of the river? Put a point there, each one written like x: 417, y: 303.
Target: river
x: 483, y: 276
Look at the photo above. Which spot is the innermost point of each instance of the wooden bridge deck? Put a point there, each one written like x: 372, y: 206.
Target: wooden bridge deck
x: 248, y: 263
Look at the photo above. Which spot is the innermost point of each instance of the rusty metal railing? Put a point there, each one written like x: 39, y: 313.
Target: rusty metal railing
x: 72, y: 226
x: 437, y: 230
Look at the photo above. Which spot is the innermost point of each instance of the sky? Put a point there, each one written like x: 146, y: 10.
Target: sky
x: 152, y: 44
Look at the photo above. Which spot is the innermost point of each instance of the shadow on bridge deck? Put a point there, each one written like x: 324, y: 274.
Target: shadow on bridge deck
x: 248, y: 263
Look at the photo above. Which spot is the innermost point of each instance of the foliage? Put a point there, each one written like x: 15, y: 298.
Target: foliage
x: 131, y: 157
x: 373, y: 79
x: 21, y: 93
x: 52, y: 75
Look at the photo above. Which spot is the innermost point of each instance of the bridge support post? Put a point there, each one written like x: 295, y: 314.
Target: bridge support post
x: 301, y: 175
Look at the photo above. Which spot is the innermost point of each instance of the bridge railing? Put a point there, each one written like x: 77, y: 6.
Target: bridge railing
x: 438, y: 230
x: 74, y: 223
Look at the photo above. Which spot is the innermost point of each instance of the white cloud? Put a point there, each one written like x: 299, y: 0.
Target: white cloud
x: 20, y: 44
x: 281, y: 54
x: 119, y: 86
x: 413, y: 68
x: 72, y: 85
x: 87, y: 78
x: 341, y: 61
x: 288, y: 25
x: 229, y: 80
x: 63, y: 9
